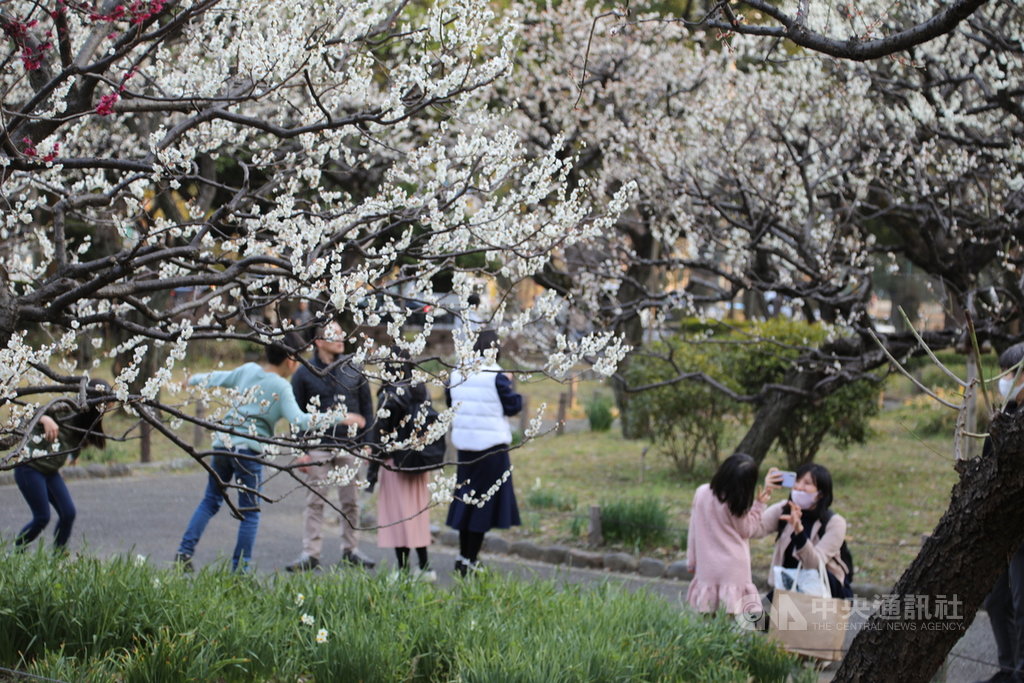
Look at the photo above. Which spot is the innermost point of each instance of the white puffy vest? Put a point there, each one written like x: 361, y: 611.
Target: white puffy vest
x: 479, y: 421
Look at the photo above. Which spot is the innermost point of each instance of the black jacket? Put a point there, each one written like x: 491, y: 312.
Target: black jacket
x: 343, y: 383
x: 394, y: 424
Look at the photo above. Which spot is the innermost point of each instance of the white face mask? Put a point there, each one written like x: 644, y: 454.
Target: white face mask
x: 803, y: 499
x: 1006, y: 386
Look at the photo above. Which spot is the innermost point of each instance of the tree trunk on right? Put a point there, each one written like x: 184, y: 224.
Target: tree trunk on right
x: 956, y: 568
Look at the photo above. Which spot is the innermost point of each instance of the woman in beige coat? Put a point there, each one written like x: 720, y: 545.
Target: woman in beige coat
x: 798, y: 523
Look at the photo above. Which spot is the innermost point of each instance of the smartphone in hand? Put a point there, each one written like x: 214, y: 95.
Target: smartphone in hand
x: 788, y: 479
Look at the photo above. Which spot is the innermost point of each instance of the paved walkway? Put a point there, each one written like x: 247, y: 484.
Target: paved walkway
x: 146, y: 514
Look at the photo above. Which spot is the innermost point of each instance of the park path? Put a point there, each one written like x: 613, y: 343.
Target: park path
x: 145, y: 514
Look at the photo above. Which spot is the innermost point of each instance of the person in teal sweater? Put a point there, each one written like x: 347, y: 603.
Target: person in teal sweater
x: 245, y: 428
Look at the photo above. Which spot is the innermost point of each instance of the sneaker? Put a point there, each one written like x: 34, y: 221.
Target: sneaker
x: 303, y: 564
x: 464, y: 567
x: 425, y: 575
x: 357, y: 559
x: 183, y: 561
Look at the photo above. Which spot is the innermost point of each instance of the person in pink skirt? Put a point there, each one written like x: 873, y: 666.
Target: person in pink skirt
x: 402, y: 503
x: 725, y: 515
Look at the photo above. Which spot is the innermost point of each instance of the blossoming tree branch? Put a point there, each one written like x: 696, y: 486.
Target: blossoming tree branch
x: 257, y: 156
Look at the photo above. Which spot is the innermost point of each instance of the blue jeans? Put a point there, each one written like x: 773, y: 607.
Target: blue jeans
x: 40, y: 492
x: 230, y: 470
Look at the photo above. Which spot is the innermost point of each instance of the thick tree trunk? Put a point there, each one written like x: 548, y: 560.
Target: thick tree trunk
x: 775, y: 414
x: 630, y: 296
x: 630, y: 428
x: 956, y: 568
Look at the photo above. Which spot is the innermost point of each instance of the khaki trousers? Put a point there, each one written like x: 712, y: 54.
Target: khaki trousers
x: 313, y: 514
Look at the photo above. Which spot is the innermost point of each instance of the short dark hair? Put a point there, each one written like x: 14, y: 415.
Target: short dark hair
x: 289, y: 346
x: 473, y: 300
x: 1011, y: 356
x: 488, y: 339
x: 734, y: 483
x: 822, y: 479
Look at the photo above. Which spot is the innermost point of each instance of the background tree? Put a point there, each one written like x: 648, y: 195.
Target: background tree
x: 799, y: 178
x: 251, y: 155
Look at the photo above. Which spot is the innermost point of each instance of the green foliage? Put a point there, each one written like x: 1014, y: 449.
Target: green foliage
x: 599, y: 412
x: 843, y: 414
x: 932, y: 420
x: 114, y: 451
x: 577, y: 524
x: 687, y: 419
x: 69, y: 620
x: 640, y: 523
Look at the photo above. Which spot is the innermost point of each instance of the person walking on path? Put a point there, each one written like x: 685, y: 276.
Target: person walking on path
x: 485, y: 498
x: 238, y: 462
x: 725, y: 515
x: 61, y: 434
x: 1005, y: 604
x: 332, y: 379
x: 404, y: 499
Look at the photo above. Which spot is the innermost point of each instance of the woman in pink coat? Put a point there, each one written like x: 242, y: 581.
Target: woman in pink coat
x: 725, y: 515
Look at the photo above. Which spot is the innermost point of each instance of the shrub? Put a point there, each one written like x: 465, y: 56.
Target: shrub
x: 844, y: 414
x: 637, y: 523
x: 69, y: 620
x: 599, y: 412
x: 686, y: 419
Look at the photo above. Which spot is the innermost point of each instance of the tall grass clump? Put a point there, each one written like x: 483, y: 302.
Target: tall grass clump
x: 550, y: 498
x: 85, y: 619
x: 639, y: 522
x: 599, y: 412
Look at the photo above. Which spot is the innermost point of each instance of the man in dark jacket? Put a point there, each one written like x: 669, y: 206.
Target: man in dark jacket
x: 333, y: 380
x: 1005, y: 604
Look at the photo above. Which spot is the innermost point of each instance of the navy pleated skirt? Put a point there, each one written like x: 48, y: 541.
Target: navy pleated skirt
x: 481, y: 470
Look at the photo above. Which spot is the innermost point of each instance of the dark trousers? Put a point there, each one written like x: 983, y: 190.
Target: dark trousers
x: 40, y: 492
x: 1005, y: 607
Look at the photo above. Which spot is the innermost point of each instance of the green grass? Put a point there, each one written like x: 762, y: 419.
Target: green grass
x: 549, y: 498
x: 70, y: 620
x: 640, y: 523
